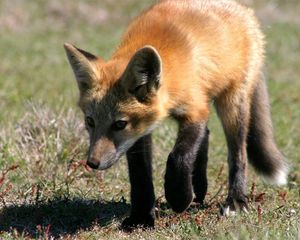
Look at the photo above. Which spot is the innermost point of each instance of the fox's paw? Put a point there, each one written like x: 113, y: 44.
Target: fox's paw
x: 131, y: 223
x: 232, y: 205
x: 178, y: 184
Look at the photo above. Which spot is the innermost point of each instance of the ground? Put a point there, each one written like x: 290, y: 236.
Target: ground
x: 45, y: 189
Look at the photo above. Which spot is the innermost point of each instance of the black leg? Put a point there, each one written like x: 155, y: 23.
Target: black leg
x: 237, y: 160
x: 200, y: 173
x: 139, y: 159
x: 234, y: 110
x: 178, y: 178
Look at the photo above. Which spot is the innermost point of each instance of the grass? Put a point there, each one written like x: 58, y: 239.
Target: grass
x: 45, y: 189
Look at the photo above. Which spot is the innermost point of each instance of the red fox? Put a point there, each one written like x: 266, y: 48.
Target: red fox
x: 174, y: 60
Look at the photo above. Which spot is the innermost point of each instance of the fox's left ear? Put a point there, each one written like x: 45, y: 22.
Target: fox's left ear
x: 142, y: 76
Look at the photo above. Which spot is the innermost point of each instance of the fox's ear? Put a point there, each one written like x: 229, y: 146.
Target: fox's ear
x: 142, y: 76
x: 85, y: 66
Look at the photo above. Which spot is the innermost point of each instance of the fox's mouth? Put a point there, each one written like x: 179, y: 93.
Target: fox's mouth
x: 109, y: 159
x: 108, y: 164
x: 102, y: 165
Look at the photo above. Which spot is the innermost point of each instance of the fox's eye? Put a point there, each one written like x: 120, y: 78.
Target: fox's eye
x: 119, y: 125
x: 90, y: 122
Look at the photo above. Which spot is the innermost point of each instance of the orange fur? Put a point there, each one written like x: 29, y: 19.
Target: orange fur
x: 207, y: 48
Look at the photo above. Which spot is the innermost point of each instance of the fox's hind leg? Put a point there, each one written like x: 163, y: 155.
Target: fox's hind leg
x: 200, y: 170
x: 234, y: 111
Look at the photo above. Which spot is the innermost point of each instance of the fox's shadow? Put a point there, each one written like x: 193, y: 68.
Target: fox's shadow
x: 60, y: 217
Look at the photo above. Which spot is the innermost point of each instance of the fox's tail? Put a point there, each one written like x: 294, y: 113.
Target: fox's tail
x: 262, y: 150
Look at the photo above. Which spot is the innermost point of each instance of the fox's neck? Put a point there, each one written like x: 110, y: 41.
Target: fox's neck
x: 172, y: 88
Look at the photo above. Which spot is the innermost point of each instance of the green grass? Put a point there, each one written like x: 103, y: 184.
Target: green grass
x: 45, y: 189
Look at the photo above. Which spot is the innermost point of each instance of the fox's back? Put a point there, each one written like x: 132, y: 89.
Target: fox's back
x: 216, y: 41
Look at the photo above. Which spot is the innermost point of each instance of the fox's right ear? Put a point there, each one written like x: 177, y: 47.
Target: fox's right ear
x: 85, y: 66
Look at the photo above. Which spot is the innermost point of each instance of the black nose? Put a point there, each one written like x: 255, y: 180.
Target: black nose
x: 93, y: 164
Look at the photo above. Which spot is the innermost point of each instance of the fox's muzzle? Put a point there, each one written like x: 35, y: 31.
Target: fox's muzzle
x: 102, y: 163
x: 104, y: 153
x: 92, y: 163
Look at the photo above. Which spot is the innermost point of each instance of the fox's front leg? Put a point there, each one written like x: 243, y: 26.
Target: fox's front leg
x: 139, y: 158
x: 178, y: 178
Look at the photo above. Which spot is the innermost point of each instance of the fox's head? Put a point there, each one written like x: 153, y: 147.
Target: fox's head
x: 119, y: 100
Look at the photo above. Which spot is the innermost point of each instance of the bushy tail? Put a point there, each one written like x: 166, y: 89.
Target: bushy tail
x: 262, y: 151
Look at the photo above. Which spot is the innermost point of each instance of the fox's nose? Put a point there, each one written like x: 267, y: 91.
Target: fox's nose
x: 93, y: 163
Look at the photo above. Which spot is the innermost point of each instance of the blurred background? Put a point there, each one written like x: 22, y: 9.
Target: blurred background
x: 43, y: 141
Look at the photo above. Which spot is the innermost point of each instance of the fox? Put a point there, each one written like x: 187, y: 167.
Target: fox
x: 178, y: 59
